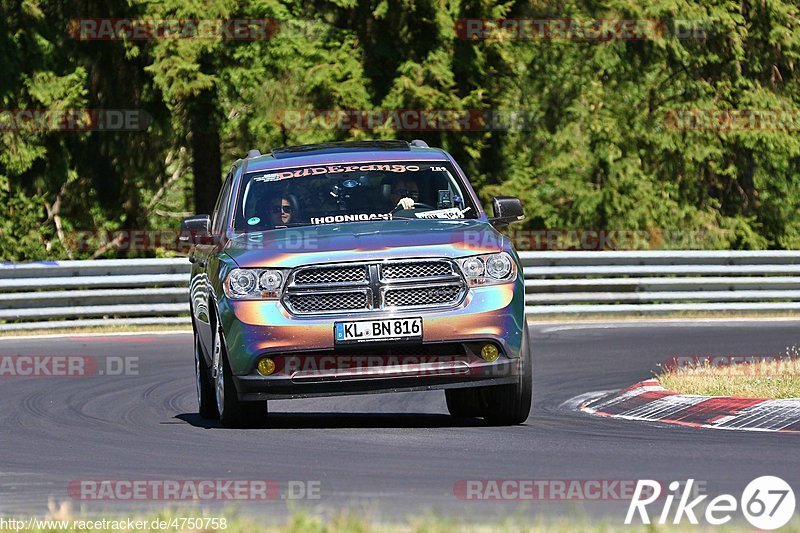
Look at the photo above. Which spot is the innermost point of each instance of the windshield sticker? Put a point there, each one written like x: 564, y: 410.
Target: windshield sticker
x: 361, y: 217
x: 336, y: 169
x: 267, y: 177
x: 253, y: 221
x: 453, y: 212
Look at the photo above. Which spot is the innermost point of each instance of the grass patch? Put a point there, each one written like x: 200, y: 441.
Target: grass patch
x: 776, y: 377
x: 345, y: 522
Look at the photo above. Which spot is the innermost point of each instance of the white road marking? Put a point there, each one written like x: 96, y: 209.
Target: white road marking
x: 575, y: 402
x: 766, y: 416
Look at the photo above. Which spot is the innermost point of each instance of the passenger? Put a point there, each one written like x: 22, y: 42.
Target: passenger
x: 280, y: 211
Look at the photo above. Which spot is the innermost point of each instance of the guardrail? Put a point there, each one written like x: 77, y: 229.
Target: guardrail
x: 660, y: 281
x: 57, y: 294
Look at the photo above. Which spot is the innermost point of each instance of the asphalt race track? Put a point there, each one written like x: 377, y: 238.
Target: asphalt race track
x: 390, y: 455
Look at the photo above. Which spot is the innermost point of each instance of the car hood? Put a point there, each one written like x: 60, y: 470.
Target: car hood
x: 363, y: 241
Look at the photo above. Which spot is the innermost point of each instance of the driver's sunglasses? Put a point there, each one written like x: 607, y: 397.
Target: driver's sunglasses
x: 278, y: 208
x: 414, y: 195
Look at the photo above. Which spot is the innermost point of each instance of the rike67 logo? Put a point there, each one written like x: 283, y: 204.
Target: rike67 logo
x: 767, y: 503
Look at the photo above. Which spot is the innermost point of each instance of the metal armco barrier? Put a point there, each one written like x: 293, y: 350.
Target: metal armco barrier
x: 56, y: 294
x: 655, y: 282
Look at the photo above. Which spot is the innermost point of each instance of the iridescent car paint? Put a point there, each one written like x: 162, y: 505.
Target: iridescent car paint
x: 351, y: 268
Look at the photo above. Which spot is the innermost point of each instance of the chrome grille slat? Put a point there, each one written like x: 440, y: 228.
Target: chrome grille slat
x: 330, y: 275
x: 374, y: 286
x: 416, y: 270
x: 307, y: 302
x: 422, y: 296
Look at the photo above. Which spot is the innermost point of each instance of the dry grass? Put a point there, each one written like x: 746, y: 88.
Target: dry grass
x: 769, y: 377
x: 345, y: 522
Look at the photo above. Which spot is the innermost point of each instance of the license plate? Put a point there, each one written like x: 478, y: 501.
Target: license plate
x: 390, y: 329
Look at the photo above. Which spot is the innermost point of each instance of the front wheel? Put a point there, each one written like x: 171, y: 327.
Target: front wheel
x: 233, y: 413
x: 500, y: 405
x: 206, y: 402
x: 463, y: 403
x: 508, y: 405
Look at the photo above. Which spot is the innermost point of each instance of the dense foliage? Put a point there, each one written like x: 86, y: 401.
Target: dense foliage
x: 601, y: 143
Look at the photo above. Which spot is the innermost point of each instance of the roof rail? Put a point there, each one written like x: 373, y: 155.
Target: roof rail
x: 419, y: 143
x: 253, y: 153
x: 338, y: 147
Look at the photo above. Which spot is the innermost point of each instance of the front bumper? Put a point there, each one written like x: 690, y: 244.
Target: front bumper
x: 402, y: 378
x: 256, y: 329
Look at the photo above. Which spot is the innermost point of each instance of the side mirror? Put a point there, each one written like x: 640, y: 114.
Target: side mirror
x: 196, y: 230
x: 507, y: 209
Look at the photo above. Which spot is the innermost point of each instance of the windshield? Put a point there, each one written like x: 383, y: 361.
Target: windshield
x: 335, y: 194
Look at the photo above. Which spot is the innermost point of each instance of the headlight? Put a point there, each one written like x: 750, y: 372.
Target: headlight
x: 498, y: 266
x: 473, y: 267
x: 489, y: 269
x: 242, y: 282
x: 270, y: 280
x: 254, y: 284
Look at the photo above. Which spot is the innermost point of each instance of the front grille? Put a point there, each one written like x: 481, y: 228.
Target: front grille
x: 356, y: 287
x: 432, y: 296
x: 330, y: 275
x: 327, y: 302
x: 416, y: 269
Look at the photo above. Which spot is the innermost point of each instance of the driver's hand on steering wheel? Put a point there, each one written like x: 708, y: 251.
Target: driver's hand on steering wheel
x: 405, y: 203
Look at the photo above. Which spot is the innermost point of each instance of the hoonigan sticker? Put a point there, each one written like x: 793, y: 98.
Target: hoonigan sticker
x: 336, y: 169
x: 361, y: 217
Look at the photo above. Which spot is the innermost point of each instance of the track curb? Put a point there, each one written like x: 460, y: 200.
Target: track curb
x: 649, y: 401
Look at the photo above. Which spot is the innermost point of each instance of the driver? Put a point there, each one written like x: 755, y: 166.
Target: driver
x: 405, y: 193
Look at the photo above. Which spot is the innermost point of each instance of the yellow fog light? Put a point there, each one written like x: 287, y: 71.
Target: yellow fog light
x: 266, y: 366
x: 489, y: 353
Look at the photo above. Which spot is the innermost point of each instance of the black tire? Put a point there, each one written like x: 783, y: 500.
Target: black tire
x: 233, y: 412
x: 463, y: 403
x: 508, y: 405
x: 207, y: 403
